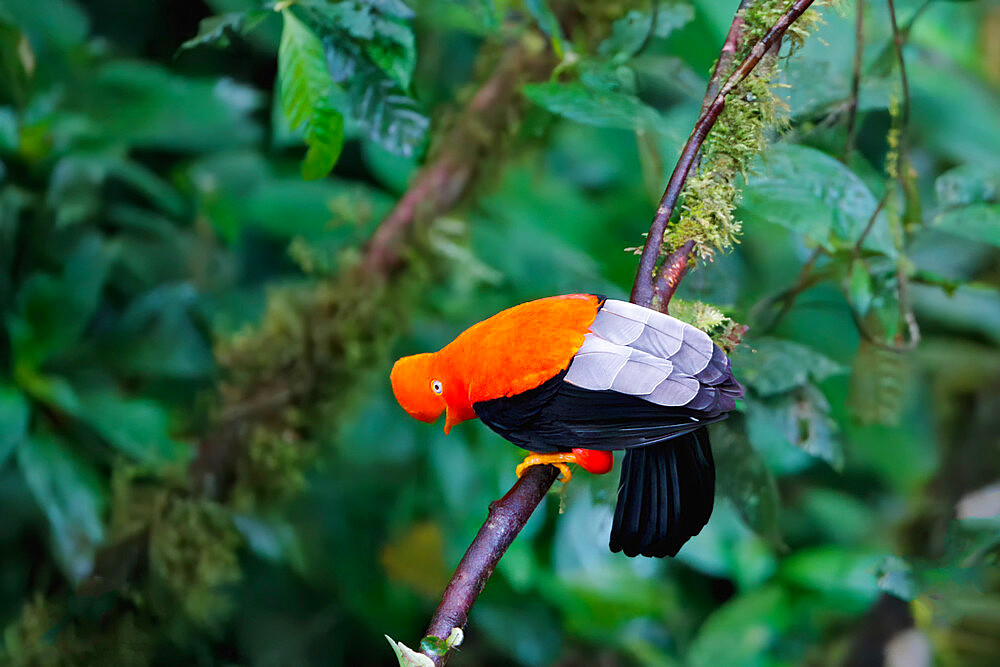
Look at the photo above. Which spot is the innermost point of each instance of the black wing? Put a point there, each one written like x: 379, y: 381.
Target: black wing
x: 558, y: 416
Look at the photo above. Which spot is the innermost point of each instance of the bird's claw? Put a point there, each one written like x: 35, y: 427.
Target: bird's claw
x: 559, y: 460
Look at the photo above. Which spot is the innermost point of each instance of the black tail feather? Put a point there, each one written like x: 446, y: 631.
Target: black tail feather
x: 665, y: 496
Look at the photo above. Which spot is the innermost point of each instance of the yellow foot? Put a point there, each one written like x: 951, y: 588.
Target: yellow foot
x: 559, y: 460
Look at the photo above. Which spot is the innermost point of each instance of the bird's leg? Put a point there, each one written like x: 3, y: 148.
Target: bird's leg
x: 593, y: 461
x: 558, y: 459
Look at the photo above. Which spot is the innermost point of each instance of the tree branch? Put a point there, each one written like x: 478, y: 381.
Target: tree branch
x: 643, y: 290
x: 505, y: 520
x: 508, y: 515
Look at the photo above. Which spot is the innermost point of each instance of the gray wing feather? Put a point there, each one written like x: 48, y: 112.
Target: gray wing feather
x: 600, y: 364
x: 597, y: 363
x: 640, y: 352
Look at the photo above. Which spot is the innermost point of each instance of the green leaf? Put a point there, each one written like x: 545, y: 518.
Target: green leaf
x: 813, y: 194
x: 61, y: 23
x: 601, y: 108
x: 14, y: 415
x: 392, y: 119
x: 965, y: 133
x: 797, y: 419
x: 17, y: 64
x: 161, y: 335
x: 325, y: 138
x: 69, y: 491
x: 744, y: 478
x: 742, y: 630
x: 847, y: 576
x: 548, y: 23
x: 396, y: 8
x: 773, y: 366
x: 395, y: 51
x: 137, y: 103
x: 303, y: 81
x: 305, y: 87
x: 139, y: 428
x: 968, y: 184
x: 387, y: 40
x: 630, y: 33
x: 218, y: 30
x: 52, y: 311
x: 976, y: 222
x: 860, y: 287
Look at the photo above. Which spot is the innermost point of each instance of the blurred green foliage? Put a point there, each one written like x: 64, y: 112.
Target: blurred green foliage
x: 164, y: 266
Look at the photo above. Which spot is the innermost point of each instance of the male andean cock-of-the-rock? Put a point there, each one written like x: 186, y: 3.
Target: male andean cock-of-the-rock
x: 571, y: 378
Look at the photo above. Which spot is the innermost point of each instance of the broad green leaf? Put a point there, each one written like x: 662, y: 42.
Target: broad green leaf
x: 139, y: 428
x: 846, y: 575
x: 70, y: 493
x: 137, y: 103
x: 976, y: 222
x: 303, y: 80
x: 387, y: 40
x: 14, y: 415
x: 743, y: 477
x: 811, y: 193
x: 394, y: 51
x: 602, y: 108
x: 859, y: 287
x: 218, y: 30
x: 53, y: 311
x: 742, y: 630
x: 968, y: 184
x: 161, y: 335
x: 17, y: 63
x: 631, y: 32
x: 57, y: 23
x: 51, y: 390
x: 396, y: 8
x: 966, y: 133
x: 391, y: 119
x: 75, y: 184
x: 547, y: 22
x: 305, y: 87
x: 797, y: 419
x: 325, y: 138
x: 727, y: 547
x: 773, y: 366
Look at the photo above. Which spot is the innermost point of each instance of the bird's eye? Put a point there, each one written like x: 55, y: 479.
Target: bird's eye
x: 436, y: 386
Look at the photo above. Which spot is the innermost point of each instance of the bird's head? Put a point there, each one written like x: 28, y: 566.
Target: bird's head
x: 417, y: 389
x: 425, y: 390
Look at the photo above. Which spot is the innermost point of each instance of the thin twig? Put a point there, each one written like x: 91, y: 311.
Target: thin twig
x: 897, y: 40
x: 870, y: 225
x: 508, y: 515
x: 642, y: 290
x: 852, y: 109
x: 787, y: 297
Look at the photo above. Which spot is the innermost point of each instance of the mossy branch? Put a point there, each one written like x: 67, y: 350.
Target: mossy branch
x: 645, y: 291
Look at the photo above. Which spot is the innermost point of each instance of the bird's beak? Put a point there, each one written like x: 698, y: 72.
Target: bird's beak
x: 449, y: 421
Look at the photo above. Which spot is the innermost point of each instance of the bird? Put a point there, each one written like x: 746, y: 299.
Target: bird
x: 574, y: 377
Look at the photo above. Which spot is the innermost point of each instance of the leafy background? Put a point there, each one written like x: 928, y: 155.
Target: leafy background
x: 167, y: 219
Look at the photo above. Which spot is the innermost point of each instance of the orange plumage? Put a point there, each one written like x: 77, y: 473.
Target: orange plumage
x: 512, y: 352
